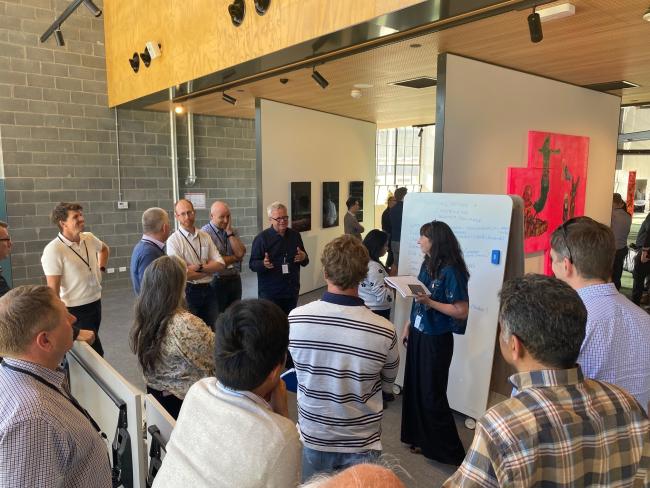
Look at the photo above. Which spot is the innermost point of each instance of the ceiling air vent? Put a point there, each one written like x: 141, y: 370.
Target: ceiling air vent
x: 612, y: 86
x: 421, y: 82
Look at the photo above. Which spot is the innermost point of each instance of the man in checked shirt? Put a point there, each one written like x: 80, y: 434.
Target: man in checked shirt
x: 558, y: 429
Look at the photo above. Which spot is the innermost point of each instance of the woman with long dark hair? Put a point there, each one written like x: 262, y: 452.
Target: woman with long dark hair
x: 175, y: 348
x: 372, y: 290
x: 427, y: 421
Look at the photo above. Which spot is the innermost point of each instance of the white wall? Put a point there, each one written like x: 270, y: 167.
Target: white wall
x: 488, y: 111
x: 297, y: 144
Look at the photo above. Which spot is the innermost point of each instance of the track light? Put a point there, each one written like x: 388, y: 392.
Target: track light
x: 94, y: 9
x: 135, y: 62
x: 145, y: 57
x: 229, y: 99
x: 237, y: 11
x: 58, y: 37
x: 261, y: 6
x: 535, y: 27
x: 320, y: 79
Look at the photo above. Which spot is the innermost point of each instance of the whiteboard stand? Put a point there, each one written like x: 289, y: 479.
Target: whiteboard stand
x: 483, y: 224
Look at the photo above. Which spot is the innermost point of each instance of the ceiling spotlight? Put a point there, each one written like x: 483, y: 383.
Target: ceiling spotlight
x: 58, y: 37
x: 320, y: 79
x: 261, y: 6
x: 145, y: 57
x: 284, y: 81
x: 227, y: 98
x: 646, y: 15
x: 94, y: 9
x: 535, y: 27
x: 237, y: 10
x: 179, y: 109
x: 135, y: 62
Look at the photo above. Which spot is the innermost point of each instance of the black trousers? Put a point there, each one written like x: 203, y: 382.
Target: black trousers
x: 617, y: 268
x: 226, y: 289
x: 89, y: 317
x: 641, y: 270
x: 287, y: 304
x: 201, y: 302
x: 170, y: 402
x: 427, y: 419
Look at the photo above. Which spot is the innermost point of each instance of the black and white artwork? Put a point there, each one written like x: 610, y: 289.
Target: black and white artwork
x: 301, y: 206
x: 330, y: 204
x: 356, y: 191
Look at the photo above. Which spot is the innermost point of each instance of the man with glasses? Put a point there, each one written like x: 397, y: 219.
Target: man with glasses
x: 276, y: 256
x: 5, y: 250
x: 200, y: 254
x: 616, y: 346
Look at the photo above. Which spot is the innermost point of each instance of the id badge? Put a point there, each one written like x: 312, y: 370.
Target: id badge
x: 285, y: 269
x: 417, y: 324
x: 92, y: 281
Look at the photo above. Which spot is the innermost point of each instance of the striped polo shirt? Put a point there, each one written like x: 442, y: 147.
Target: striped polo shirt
x: 344, y: 356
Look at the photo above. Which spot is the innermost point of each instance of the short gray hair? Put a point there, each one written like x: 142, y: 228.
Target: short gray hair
x: 153, y: 219
x: 275, y: 206
x: 547, y: 315
x: 24, y: 312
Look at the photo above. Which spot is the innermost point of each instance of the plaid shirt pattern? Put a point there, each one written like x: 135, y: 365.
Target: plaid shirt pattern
x: 559, y: 430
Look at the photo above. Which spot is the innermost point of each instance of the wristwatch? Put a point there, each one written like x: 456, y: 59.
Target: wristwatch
x: 230, y: 235
x: 102, y: 269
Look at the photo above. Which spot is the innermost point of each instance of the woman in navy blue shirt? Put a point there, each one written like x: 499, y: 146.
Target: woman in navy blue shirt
x: 427, y: 421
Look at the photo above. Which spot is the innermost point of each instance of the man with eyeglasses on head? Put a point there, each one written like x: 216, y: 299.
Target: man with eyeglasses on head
x: 276, y: 256
x: 5, y: 250
x: 196, y: 248
x: 616, y: 348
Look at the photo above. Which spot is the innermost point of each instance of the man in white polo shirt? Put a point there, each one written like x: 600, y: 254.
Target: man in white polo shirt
x: 203, y: 260
x: 73, y: 263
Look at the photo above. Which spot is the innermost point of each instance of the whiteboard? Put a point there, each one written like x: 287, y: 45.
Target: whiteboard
x: 481, y: 224
x: 83, y: 359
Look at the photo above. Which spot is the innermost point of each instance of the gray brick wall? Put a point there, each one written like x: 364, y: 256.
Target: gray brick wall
x: 58, y: 142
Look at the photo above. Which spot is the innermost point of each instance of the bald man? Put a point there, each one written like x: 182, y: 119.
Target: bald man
x: 227, y: 283
x: 358, y: 476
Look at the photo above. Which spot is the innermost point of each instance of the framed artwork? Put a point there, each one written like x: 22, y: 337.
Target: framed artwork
x: 356, y: 191
x: 553, y: 185
x: 330, y: 204
x: 301, y: 206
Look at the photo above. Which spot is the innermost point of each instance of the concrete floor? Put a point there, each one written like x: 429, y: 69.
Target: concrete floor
x: 415, y: 470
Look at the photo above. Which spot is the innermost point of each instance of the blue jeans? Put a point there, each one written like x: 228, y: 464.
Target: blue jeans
x: 314, y: 462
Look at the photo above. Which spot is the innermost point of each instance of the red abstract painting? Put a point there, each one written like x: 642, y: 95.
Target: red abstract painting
x: 552, y: 185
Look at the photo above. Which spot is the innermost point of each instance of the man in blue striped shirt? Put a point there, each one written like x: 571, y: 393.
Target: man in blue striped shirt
x: 616, y: 348
x: 344, y: 356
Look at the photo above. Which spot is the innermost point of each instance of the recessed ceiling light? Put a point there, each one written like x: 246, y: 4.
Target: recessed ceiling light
x: 178, y: 109
x: 415, y: 45
x: 646, y: 15
x: 362, y: 85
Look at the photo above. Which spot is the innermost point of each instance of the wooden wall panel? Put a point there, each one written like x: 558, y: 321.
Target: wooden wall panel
x: 198, y: 37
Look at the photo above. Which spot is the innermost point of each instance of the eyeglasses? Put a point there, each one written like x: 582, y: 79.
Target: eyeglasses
x: 566, y: 239
x: 281, y: 219
x: 186, y: 214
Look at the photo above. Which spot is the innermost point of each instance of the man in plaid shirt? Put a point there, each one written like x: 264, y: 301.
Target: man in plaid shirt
x: 558, y: 429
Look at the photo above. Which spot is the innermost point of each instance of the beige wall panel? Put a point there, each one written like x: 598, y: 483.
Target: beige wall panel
x: 304, y: 145
x: 198, y: 37
x: 488, y: 113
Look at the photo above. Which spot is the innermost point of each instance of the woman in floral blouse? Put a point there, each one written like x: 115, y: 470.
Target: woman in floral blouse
x: 175, y: 348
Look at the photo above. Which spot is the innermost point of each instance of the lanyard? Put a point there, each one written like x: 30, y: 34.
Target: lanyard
x: 70, y: 398
x: 87, y: 260
x: 224, y: 243
x: 198, y: 255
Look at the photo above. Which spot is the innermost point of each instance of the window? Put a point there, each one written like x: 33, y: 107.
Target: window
x: 398, y: 161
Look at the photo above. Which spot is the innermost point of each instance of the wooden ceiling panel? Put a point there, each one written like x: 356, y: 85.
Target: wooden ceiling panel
x: 606, y: 40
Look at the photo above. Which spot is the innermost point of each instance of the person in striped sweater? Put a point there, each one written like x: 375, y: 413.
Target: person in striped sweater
x: 344, y: 356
